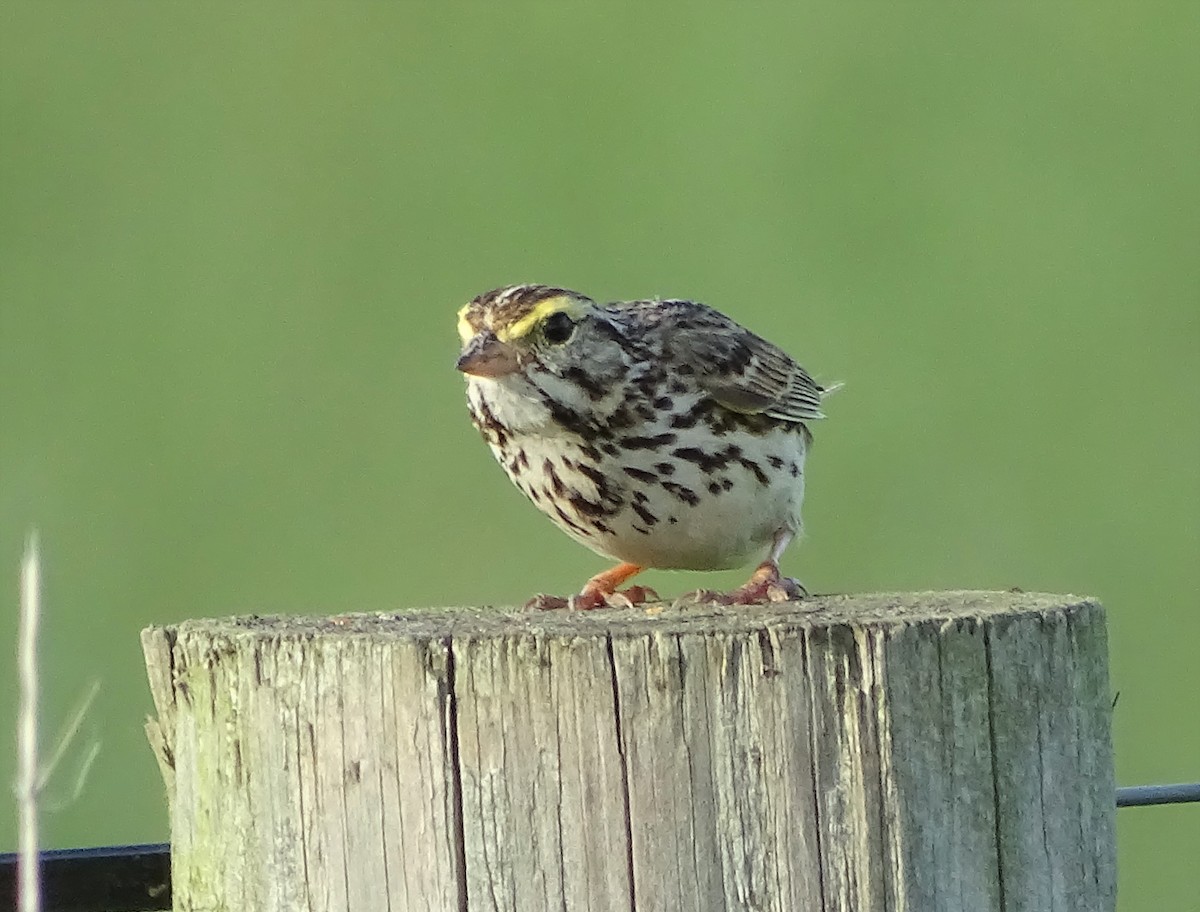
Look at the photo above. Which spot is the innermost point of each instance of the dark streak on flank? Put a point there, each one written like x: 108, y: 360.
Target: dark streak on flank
x: 587, y: 507
x: 687, y: 495
x: 556, y: 483
x: 708, y: 462
x: 562, y: 514
x: 756, y: 469
x: 591, y: 473
x: 689, y: 419
x: 714, y: 462
x: 639, y: 474
x: 647, y: 517
x: 647, y: 383
x: 519, y: 461
x: 637, y: 442
x: 605, y: 488
x: 621, y: 419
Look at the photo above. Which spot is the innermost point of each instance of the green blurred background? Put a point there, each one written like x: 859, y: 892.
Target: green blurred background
x: 233, y: 240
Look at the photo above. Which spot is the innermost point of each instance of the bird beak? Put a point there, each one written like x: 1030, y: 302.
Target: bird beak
x: 487, y: 356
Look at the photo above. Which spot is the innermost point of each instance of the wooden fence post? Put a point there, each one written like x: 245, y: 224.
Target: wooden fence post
x: 932, y: 751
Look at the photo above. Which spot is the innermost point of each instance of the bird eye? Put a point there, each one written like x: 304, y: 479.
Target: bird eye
x: 558, y: 328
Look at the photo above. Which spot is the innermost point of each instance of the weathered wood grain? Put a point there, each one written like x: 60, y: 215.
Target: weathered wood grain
x: 895, y: 752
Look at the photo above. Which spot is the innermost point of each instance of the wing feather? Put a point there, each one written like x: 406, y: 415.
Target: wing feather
x: 742, y: 371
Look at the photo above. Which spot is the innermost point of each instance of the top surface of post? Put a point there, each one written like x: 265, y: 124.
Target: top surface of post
x: 880, y: 609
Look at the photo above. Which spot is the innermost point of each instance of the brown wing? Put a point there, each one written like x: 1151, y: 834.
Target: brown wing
x: 741, y: 371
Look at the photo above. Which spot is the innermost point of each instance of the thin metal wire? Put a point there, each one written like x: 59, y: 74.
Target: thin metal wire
x: 1144, y: 795
x: 139, y: 876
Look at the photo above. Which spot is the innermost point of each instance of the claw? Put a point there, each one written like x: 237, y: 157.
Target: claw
x: 543, y: 602
x: 766, y: 585
x: 587, y: 601
x: 785, y: 589
x: 591, y: 599
x: 637, y: 595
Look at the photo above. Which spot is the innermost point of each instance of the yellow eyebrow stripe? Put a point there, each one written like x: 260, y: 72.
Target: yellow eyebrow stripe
x: 540, y: 311
x: 465, y: 330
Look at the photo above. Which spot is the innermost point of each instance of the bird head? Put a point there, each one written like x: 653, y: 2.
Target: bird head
x: 512, y: 329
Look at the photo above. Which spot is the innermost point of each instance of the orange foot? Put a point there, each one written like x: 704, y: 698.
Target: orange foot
x: 766, y: 584
x: 599, y: 592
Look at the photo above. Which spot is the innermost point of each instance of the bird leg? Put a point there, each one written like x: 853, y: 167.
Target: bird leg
x: 600, y: 592
x: 766, y: 583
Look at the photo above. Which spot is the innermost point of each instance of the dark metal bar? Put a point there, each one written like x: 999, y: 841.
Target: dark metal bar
x: 136, y: 878
x: 1144, y: 795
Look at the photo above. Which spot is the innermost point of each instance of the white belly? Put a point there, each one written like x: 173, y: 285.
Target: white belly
x: 694, y: 517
